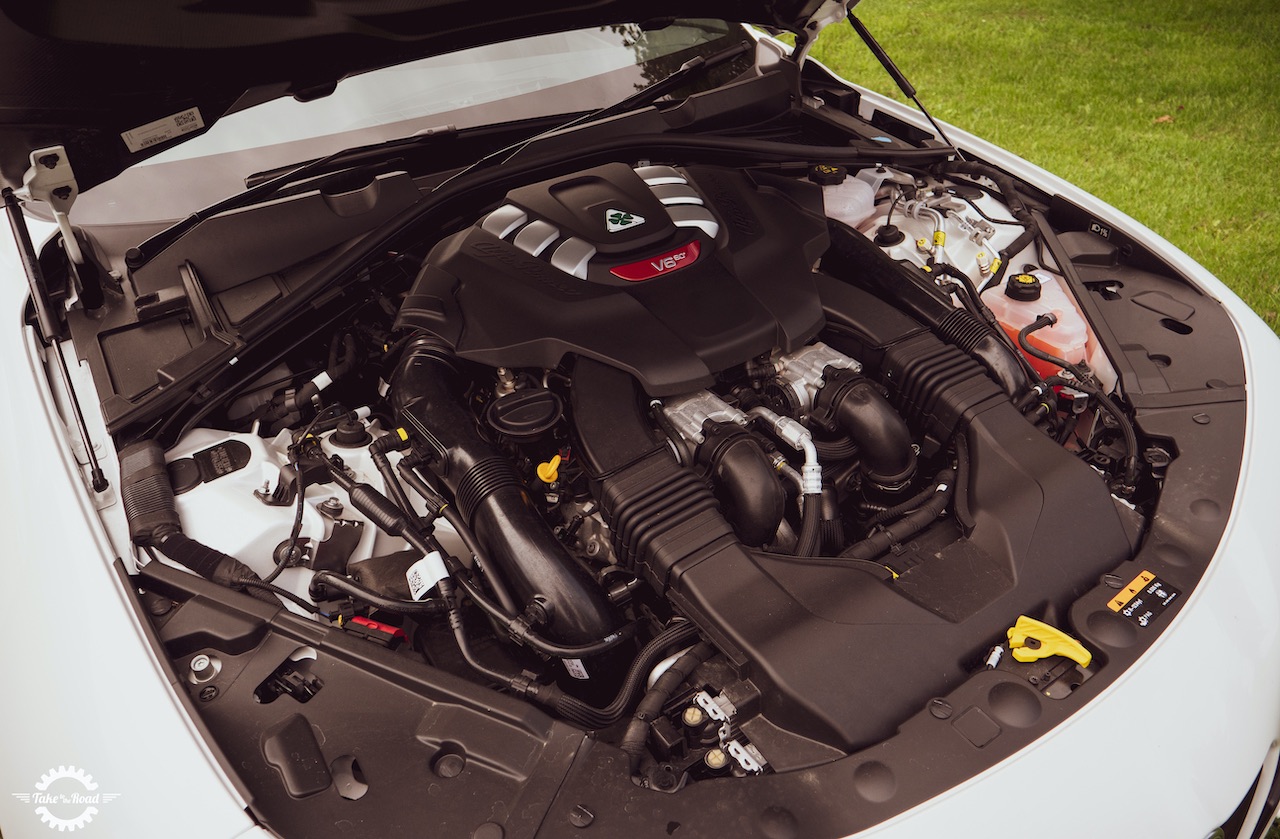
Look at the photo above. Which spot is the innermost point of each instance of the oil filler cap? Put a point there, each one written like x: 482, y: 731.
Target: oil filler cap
x: 1023, y: 287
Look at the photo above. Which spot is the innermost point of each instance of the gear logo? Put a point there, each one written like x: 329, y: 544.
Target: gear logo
x: 66, y: 798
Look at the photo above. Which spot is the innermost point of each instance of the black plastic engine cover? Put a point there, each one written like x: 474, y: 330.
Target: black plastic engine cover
x: 671, y: 275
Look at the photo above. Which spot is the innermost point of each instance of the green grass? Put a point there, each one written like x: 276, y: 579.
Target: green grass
x: 1167, y: 109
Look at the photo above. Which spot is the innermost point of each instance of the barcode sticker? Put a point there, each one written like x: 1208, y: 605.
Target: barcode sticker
x: 163, y: 130
x: 425, y: 573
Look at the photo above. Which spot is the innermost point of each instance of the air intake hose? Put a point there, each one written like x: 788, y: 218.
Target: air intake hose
x: 854, y: 258
x: 152, y: 513
x: 492, y: 499
x: 851, y: 402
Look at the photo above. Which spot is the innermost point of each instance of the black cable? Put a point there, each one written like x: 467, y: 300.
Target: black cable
x: 450, y: 513
x: 263, y: 585
x: 911, y: 524
x: 1081, y: 382
x: 397, y: 493
x: 589, y: 716
x: 507, y: 680
x: 1041, y: 261
x: 526, y: 636
x: 301, y: 489
x: 637, y: 734
x: 1131, y: 468
x: 331, y: 579
x: 978, y: 210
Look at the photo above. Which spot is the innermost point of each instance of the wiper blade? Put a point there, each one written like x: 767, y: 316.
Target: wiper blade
x: 694, y: 67
x: 262, y: 186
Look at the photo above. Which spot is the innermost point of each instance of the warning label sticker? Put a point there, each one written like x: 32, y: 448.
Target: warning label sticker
x: 1144, y: 598
x: 163, y: 130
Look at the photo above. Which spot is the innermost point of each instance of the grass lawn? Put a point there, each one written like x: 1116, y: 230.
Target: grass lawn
x: 1167, y: 109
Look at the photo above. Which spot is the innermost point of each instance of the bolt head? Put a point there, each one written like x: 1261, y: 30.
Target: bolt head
x: 581, y: 817
x: 715, y: 759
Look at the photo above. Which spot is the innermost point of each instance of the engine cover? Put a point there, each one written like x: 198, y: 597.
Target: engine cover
x: 672, y: 275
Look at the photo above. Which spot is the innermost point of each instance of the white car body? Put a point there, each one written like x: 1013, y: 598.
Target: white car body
x: 1169, y: 749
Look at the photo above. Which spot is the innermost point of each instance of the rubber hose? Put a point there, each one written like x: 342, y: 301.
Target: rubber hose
x: 905, y: 507
x: 589, y: 716
x: 810, y: 541
x: 836, y: 450
x: 633, y: 742
x: 214, y: 565
x: 507, y: 680
x: 908, y: 526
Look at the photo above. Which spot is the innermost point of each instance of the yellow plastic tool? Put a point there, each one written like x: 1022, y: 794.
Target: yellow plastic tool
x: 549, y: 472
x: 1031, y: 640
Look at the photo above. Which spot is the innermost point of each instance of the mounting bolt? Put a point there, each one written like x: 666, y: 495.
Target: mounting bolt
x: 581, y: 817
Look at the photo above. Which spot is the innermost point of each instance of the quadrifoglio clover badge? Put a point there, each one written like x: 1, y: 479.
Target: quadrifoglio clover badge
x: 66, y: 798
x: 615, y: 220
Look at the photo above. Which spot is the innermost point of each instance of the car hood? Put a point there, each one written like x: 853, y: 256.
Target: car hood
x: 116, y: 83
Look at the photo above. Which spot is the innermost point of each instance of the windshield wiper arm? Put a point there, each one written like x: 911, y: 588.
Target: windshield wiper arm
x: 262, y: 188
x: 696, y: 66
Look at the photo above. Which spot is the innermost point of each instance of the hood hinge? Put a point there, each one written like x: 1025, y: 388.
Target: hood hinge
x: 51, y: 180
x: 831, y: 11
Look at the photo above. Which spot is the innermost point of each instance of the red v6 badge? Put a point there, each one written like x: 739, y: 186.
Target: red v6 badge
x: 656, y: 266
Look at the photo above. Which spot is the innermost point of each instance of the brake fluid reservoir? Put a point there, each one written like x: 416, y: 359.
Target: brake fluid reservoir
x: 1024, y: 298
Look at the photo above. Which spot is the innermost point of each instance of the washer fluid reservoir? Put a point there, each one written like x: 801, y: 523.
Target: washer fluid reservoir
x: 850, y: 200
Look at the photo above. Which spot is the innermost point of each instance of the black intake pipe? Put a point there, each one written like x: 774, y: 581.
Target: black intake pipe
x: 152, y: 513
x: 853, y: 403
x: 492, y: 499
x: 747, y: 486
x: 856, y: 259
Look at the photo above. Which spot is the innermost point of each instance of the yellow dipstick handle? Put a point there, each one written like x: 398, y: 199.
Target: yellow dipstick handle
x: 550, y: 471
x: 1044, y: 642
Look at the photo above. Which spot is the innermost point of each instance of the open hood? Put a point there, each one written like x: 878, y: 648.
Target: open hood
x: 117, y: 83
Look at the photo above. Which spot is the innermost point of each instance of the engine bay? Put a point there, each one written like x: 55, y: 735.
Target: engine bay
x: 746, y: 471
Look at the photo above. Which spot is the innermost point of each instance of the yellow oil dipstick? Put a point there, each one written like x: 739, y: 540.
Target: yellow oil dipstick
x: 1044, y: 641
x: 549, y: 472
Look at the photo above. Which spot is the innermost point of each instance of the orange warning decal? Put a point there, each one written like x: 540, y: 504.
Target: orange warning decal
x: 1127, y: 593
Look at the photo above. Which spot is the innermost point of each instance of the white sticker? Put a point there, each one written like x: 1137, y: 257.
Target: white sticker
x: 576, y: 668
x: 163, y: 130
x: 425, y: 573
